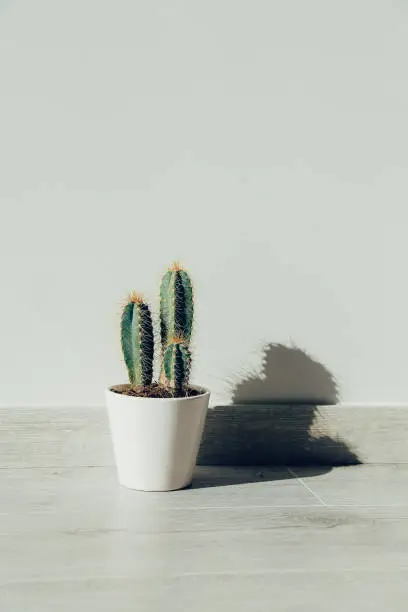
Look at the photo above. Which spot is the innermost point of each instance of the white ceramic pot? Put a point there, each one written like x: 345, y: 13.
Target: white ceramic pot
x: 156, y: 441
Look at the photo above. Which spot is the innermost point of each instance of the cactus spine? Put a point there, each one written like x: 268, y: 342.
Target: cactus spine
x: 177, y: 364
x: 137, y: 340
x: 176, y: 306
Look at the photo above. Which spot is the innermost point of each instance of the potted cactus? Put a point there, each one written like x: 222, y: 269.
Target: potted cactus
x: 156, y: 427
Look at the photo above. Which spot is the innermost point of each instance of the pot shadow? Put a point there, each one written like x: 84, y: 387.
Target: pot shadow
x: 220, y: 476
x: 270, y: 420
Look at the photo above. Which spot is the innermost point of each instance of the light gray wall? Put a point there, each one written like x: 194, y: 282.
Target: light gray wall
x: 262, y: 142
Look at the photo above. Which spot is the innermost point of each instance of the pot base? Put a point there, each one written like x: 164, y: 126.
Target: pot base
x: 158, y: 490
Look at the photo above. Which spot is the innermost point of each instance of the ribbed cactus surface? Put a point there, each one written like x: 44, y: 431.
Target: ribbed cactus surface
x: 177, y: 364
x: 138, y: 340
x: 176, y: 306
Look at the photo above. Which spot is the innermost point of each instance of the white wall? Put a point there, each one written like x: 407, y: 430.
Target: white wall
x: 262, y: 142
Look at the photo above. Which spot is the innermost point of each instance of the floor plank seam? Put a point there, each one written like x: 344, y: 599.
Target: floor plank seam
x: 302, y: 482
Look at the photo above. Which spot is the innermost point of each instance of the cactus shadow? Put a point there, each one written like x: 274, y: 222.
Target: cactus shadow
x: 270, y: 421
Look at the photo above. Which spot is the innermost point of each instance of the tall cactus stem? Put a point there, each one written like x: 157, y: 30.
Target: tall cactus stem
x: 176, y: 305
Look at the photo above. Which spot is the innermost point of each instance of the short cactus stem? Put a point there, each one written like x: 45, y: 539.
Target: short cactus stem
x: 137, y: 340
x: 177, y: 365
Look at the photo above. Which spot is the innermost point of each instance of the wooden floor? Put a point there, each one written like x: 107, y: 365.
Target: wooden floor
x: 241, y: 539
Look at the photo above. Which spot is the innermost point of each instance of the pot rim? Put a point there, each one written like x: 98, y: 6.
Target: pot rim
x: 109, y: 391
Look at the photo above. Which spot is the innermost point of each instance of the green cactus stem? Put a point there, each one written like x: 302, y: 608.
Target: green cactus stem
x: 176, y: 306
x: 177, y: 365
x: 137, y: 340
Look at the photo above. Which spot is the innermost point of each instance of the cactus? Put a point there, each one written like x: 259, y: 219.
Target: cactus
x: 177, y: 364
x: 176, y: 306
x: 137, y: 340
x: 176, y: 322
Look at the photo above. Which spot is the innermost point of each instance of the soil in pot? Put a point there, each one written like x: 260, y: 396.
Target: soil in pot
x: 156, y: 391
